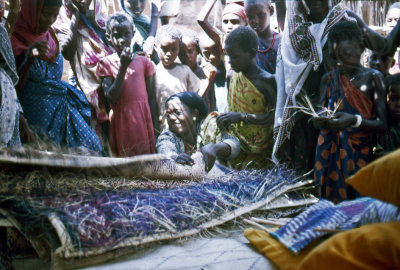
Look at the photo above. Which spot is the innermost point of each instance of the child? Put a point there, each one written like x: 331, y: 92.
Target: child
x: 356, y: 94
x: 128, y: 83
x: 188, y: 55
x: 213, y: 57
x: 382, y: 63
x: 252, y: 98
x: 146, y: 28
x: 258, y: 14
x: 171, y: 77
x: 390, y: 139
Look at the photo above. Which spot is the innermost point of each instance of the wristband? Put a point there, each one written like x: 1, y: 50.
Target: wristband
x: 358, y: 122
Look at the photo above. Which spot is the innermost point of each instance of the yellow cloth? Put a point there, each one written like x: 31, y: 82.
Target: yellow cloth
x: 256, y: 141
x: 274, y: 250
x: 375, y: 246
x: 380, y: 179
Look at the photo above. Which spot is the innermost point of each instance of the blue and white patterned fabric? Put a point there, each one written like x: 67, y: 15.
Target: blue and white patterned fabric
x: 58, y: 110
x: 299, y: 232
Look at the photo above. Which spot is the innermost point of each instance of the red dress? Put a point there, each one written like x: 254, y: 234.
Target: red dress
x: 131, y: 126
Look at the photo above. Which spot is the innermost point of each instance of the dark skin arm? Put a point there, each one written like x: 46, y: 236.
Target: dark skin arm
x: 148, y: 46
x: 266, y: 84
x: 113, y: 89
x: 202, y: 20
x: 210, y: 152
x: 374, y: 40
x: 68, y: 44
x: 41, y: 48
x: 376, y: 92
x: 280, y: 7
x: 151, y: 92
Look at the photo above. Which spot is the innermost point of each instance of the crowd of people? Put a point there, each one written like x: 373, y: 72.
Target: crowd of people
x: 244, y: 95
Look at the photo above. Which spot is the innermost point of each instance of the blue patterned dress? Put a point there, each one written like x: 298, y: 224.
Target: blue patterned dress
x: 55, y: 108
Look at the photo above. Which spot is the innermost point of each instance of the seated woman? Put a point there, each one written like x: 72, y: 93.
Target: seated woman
x: 188, y: 132
x: 55, y: 108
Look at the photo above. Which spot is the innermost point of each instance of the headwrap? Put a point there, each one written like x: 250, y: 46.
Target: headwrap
x: 26, y: 31
x: 233, y: 8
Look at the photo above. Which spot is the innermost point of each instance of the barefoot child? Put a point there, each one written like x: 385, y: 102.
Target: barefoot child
x: 128, y: 83
x: 258, y: 14
x: 357, y: 94
x: 252, y: 98
x: 171, y: 77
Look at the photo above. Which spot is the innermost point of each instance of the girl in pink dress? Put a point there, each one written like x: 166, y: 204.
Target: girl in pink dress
x: 128, y: 83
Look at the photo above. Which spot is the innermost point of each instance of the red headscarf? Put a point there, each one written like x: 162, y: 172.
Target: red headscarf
x: 234, y: 8
x: 26, y: 31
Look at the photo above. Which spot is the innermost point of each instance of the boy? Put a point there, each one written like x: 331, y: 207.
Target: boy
x: 171, y: 77
x: 212, y: 58
x: 356, y: 94
x: 252, y: 98
x: 258, y: 14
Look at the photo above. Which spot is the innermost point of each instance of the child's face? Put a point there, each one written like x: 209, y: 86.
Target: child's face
x: 82, y: 5
x: 347, y: 54
x: 168, y: 50
x: 258, y: 16
x: 238, y: 59
x: 211, y: 52
x: 381, y: 63
x: 121, y: 35
x: 392, y: 17
x: 135, y: 6
x: 394, y: 102
x: 230, y: 22
x: 48, y: 17
x: 189, y: 51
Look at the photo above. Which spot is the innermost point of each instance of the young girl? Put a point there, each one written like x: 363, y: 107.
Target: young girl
x: 129, y: 87
x: 258, y: 14
x: 356, y: 94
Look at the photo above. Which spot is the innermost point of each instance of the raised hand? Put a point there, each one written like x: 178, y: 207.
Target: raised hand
x: 209, y: 70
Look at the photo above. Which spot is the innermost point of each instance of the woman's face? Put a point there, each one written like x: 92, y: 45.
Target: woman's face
x: 230, y: 22
x: 392, y: 17
x: 48, y: 17
x: 179, y: 117
x: 135, y: 6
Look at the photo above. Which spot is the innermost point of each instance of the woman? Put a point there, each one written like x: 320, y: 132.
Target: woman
x: 83, y: 43
x: 304, y: 59
x: 188, y: 132
x: 56, y: 109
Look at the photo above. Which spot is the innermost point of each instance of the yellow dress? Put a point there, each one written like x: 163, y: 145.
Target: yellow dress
x: 256, y: 141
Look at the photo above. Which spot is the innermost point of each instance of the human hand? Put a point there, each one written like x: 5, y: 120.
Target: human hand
x: 209, y: 70
x: 38, y: 48
x: 126, y: 57
x: 71, y: 7
x: 183, y: 159
x: 209, y: 155
x: 320, y: 122
x: 226, y: 119
x: 148, y: 46
x: 341, y: 120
